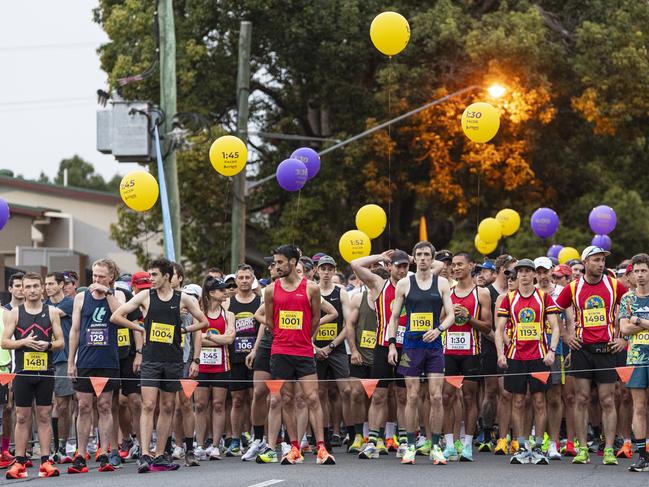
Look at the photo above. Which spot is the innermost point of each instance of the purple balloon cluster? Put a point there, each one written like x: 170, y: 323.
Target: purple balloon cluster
x: 293, y: 173
x: 602, y: 221
x: 4, y: 213
x: 544, y: 222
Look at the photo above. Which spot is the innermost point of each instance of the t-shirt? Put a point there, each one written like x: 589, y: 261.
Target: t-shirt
x: 65, y: 305
x: 633, y: 305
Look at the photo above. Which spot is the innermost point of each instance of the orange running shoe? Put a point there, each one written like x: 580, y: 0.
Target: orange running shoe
x: 17, y: 471
x: 6, y: 460
x: 48, y: 470
x: 293, y: 457
x: 324, y: 457
x: 29, y: 463
x: 391, y: 445
x: 625, y: 451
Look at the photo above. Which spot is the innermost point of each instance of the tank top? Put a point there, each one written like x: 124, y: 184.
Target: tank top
x: 27, y: 359
x: 329, y: 331
x: 125, y: 341
x: 97, y: 336
x: 487, y: 346
x: 366, y: 331
x: 292, y: 321
x: 461, y: 338
x: 5, y: 355
x: 383, y: 309
x: 163, y: 328
x: 217, y: 358
x: 423, y: 308
x: 246, y: 328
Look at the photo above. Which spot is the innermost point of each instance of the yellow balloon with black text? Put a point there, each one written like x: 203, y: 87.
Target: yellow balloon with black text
x: 354, y: 244
x: 489, y: 230
x: 568, y: 253
x: 390, y: 33
x: 480, y: 122
x: 510, y: 221
x: 371, y: 220
x: 485, y: 248
x: 139, y: 190
x: 228, y: 155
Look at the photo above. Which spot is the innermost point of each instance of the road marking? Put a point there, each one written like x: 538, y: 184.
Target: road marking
x: 268, y: 482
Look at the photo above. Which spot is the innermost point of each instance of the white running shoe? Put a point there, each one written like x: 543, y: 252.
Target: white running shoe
x: 553, y: 453
x: 200, y: 453
x: 286, y: 449
x: 253, y: 450
x: 70, y: 449
x: 178, y: 453
x: 215, y: 454
x: 403, y: 448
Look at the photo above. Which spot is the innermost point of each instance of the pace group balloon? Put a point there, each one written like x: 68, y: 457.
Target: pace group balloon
x: 4, y: 213
x: 603, y: 241
x: 310, y: 158
x: 489, y: 230
x: 480, y: 122
x: 485, y: 248
x: 228, y: 155
x: 510, y: 221
x: 568, y: 253
x: 544, y: 222
x: 291, y: 174
x: 390, y: 33
x: 554, y: 250
x: 354, y: 244
x: 139, y: 190
x: 371, y: 220
x: 602, y: 219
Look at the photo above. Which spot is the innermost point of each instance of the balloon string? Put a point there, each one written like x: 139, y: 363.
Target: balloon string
x: 389, y: 153
x: 228, y: 184
x: 296, y: 215
x: 477, y: 216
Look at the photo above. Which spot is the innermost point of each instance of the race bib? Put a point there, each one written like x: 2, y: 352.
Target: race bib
x: 35, y: 361
x: 244, y: 344
x: 641, y: 338
x: 244, y: 322
x: 421, y: 321
x: 290, y: 320
x: 458, y: 340
x: 211, y: 356
x: 594, y: 317
x: 368, y: 339
x: 123, y: 337
x: 97, y: 337
x: 327, y: 332
x: 527, y: 332
x: 162, y: 333
x: 401, y: 332
x: 182, y: 340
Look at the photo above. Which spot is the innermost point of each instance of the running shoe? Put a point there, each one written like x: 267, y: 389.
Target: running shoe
x: 200, y: 453
x: 380, y: 447
x: 501, y: 447
x: 521, y: 457
x: 609, y: 457
x: 48, y: 470
x: 78, y: 465
x: 436, y: 456
x: 401, y: 451
x: 324, y: 457
x: 421, y: 440
x: 144, y: 464
x: 215, y: 454
x: 286, y: 448
x: 134, y: 453
x: 640, y: 465
x: 246, y: 439
x: 17, y: 471
x: 450, y: 453
x: 514, y: 447
x: 409, y: 456
x: 267, y: 456
x: 569, y: 449
x: 29, y: 463
x: 600, y: 448
x: 190, y: 459
x: 486, y: 447
x: 294, y: 456
x: 161, y: 464
x: 391, y: 444
x: 209, y: 449
x: 467, y: 454
x: 368, y: 452
x: 545, y: 445
x: 458, y: 446
x: 582, y: 456
x: 6, y: 459
x: 424, y: 449
x: 253, y: 450
x: 127, y: 444
x: 336, y: 440
x: 234, y: 450
x: 115, y: 460
x: 553, y: 453
x: 104, y: 464
x: 70, y: 449
x: 625, y: 451
x: 178, y: 453
x: 357, y: 444
x: 92, y: 446
x: 537, y: 457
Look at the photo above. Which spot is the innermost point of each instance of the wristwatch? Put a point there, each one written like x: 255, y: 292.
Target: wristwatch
x: 196, y: 360
x: 110, y: 291
x: 331, y: 345
x: 139, y: 350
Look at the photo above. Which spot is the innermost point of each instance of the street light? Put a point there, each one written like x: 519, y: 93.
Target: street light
x: 496, y: 90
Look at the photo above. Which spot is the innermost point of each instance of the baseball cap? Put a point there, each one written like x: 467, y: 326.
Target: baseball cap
x: 443, y: 255
x: 317, y: 256
x: 307, y: 263
x: 399, y: 257
x: 593, y: 250
x: 141, y: 279
x: 269, y: 260
x: 213, y: 283
x: 562, y: 270
x: 123, y: 285
x: 193, y: 289
x: 488, y: 265
x: 525, y: 263
x: 543, y: 262
x: 629, y: 268
x: 70, y: 276
x: 326, y: 259
x: 230, y: 281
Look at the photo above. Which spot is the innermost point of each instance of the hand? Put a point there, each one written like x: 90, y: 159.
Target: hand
x: 193, y: 370
x: 618, y: 345
x: 502, y: 362
x: 566, y: 361
x: 549, y: 358
x: 387, y: 256
x: 250, y: 358
x: 30, y: 342
x: 357, y: 358
x: 321, y: 353
x: 72, y: 372
x: 393, y: 355
x: 98, y: 287
x: 137, y: 363
x: 431, y: 335
x: 573, y: 342
x: 42, y: 345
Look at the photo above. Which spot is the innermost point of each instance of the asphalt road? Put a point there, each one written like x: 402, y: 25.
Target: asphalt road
x: 486, y: 470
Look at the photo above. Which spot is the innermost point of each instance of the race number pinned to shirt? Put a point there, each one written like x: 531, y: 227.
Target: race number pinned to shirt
x: 327, y: 332
x: 368, y: 339
x: 123, y: 337
x: 244, y: 344
x: 421, y: 322
x: 35, y: 361
x: 527, y: 332
x: 594, y: 317
x: 401, y: 333
x: 641, y: 338
x: 97, y: 336
x: 211, y: 356
x: 161, y: 333
x: 458, y: 340
x: 290, y: 320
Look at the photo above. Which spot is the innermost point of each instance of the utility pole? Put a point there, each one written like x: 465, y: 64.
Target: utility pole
x: 168, y: 105
x: 238, y: 243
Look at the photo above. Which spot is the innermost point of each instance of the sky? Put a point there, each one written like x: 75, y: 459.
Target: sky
x: 49, y: 76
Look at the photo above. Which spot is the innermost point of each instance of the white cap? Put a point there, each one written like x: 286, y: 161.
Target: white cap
x: 543, y: 262
x: 194, y: 289
x: 230, y: 276
x: 255, y: 282
x: 593, y: 250
x: 122, y: 285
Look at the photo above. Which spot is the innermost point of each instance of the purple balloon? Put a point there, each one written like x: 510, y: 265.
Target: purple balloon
x: 291, y: 174
x: 4, y: 213
x: 554, y: 250
x: 544, y: 222
x: 310, y: 158
x: 603, y: 241
x: 602, y: 220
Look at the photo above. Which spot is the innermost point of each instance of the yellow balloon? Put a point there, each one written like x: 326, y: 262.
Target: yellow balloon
x: 568, y: 253
x: 485, y: 248
x: 510, y: 221
x: 480, y: 122
x: 390, y: 33
x: 354, y: 244
x: 489, y: 230
x: 139, y: 190
x: 228, y: 155
x: 371, y: 220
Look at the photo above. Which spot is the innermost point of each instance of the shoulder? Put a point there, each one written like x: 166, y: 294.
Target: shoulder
x: 312, y: 287
x: 483, y: 292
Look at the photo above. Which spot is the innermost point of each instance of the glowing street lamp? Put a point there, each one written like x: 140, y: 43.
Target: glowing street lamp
x: 496, y: 90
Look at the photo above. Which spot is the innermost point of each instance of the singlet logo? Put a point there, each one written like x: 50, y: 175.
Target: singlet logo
x: 98, y: 315
x: 459, y: 320
x: 594, y: 302
x: 527, y: 315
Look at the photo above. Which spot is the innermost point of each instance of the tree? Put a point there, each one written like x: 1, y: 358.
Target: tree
x: 81, y: 174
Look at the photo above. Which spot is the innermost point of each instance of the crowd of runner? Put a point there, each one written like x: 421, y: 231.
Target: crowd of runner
x: 515, y: 357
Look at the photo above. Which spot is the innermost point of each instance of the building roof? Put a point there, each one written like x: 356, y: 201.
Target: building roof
x: 31, y: 211
x: 81, y: 194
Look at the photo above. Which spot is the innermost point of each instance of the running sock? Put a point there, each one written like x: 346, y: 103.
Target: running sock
x: 641, y: 445
x: 488, y: 433
x: 358, y: 428
x: 55, y: 433
x: 366, y: 429
x: 410, y: 437
x: 435, y: 438
x: 258, y: 432
x: 468, y: 441
x: 21, y: 460
x: 228, y: 442
x: 389, y: 429
x: 373, y: 437
x: 521, y: 442
x: 381, y: 432
x: 189, y: 444
x: 327, y: 433
x: 168, y: 447
x: 351, y: 431
x: 45, y: 458
x: 403, y: 436
x: 5, y: 443
x: 448, y: 439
